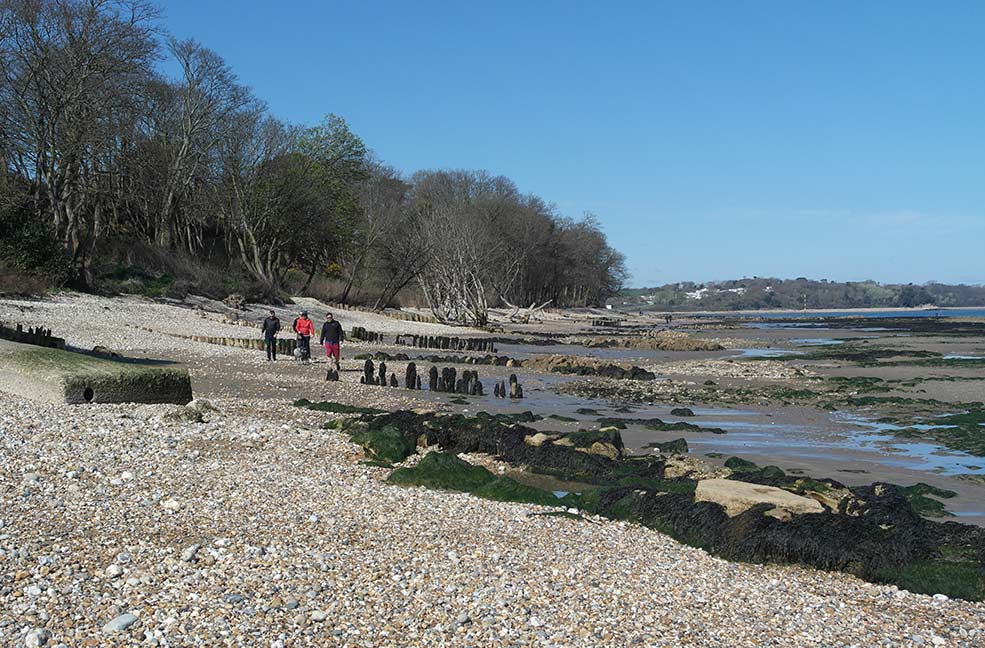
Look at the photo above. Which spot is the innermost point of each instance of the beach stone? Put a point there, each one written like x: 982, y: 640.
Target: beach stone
x: 188, y: 555
x: 318, y: 616
x: 202, y: 406
x: 120, y: 623
x: 171, y: 504
x: 114, y: 571
x: 36, y: 638
x: 738, y: 497
x: 167, y: 413
x: 539, y: 439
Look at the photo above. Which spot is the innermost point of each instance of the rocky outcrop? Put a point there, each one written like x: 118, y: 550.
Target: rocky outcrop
x: 657, y: 341
x: 587, y: 367
x: 875, y: 532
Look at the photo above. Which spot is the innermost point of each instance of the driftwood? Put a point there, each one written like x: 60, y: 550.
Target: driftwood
x: 524, y: 315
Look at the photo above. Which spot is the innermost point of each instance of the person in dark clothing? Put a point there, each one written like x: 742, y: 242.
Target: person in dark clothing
x: 332, y: 336
x: 270, y: 327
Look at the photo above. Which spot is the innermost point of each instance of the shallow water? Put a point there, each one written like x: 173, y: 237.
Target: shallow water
x: 766, y: 353
x: 917, y: 455
x: 877, y: 314
x: 817, y: 341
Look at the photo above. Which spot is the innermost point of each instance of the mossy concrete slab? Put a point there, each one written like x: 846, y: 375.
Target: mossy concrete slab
x: 57, y: 376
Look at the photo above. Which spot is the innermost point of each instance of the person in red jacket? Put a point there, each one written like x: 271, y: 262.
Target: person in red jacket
x: 305, y: 328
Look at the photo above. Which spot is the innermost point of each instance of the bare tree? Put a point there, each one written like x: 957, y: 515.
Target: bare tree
x: 70, y: 69
x: 383, y: 203
x: 202, y: 102
x: 465, y: 216
x: 254, y: 192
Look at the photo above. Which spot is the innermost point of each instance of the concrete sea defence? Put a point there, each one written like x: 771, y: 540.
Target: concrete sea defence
x: 58, y: 376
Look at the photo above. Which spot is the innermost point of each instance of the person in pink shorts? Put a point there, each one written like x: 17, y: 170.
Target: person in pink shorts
x: 332, y: 336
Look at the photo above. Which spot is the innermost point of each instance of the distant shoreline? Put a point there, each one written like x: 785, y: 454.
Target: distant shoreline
x: 808, y: 312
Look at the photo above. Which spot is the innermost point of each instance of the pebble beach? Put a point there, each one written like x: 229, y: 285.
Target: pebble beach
x: 129, y: 525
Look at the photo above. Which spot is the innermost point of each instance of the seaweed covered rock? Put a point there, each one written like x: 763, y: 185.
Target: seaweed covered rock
x: 505, y: 489
x: 580, y: 366
x: 875, y: 533
x: 887, y: 537
x: 606, y: 442
x: 656, y: 424
x: 443, y: 470
x: 384, y: 444
x: 682, y: 411
x: 446, y: 471
x: 590, y: 457
x: 677, y: 446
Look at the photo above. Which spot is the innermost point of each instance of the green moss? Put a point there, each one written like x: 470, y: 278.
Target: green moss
x: 445, y: 471
x: 564, y: 419
x: 110, y: 380
x: 858, y: 384
x: 963, y: 580
x: 917, y: 496
x: 585, y: 438
x: 681, y: 486
x: 958, y: 363
x: 677, y: 446
x: 504, y: 489
x: 386, y: 444
x: 737, y: 464
x: 335, y: 408
x: 772, y: 472
x: 808, y: 485
x: 864, y: 354
x: 587, y: 411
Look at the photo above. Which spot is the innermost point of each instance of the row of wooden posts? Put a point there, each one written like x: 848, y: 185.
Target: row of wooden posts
x: 35, y: 335
x: 446, y: 343
x: 446, y: 380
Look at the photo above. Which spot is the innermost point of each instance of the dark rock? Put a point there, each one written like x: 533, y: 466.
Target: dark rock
x: 682, y: 411
x: 677, y: 446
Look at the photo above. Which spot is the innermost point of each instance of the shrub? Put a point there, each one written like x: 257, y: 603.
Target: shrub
x: 31, y: 258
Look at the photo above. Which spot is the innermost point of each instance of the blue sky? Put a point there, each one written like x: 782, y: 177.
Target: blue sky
x: 714, y: 140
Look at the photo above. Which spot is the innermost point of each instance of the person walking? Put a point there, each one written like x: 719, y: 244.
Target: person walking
x: 305, y: 328
x: 332, y: 336
x: 270, y: 327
